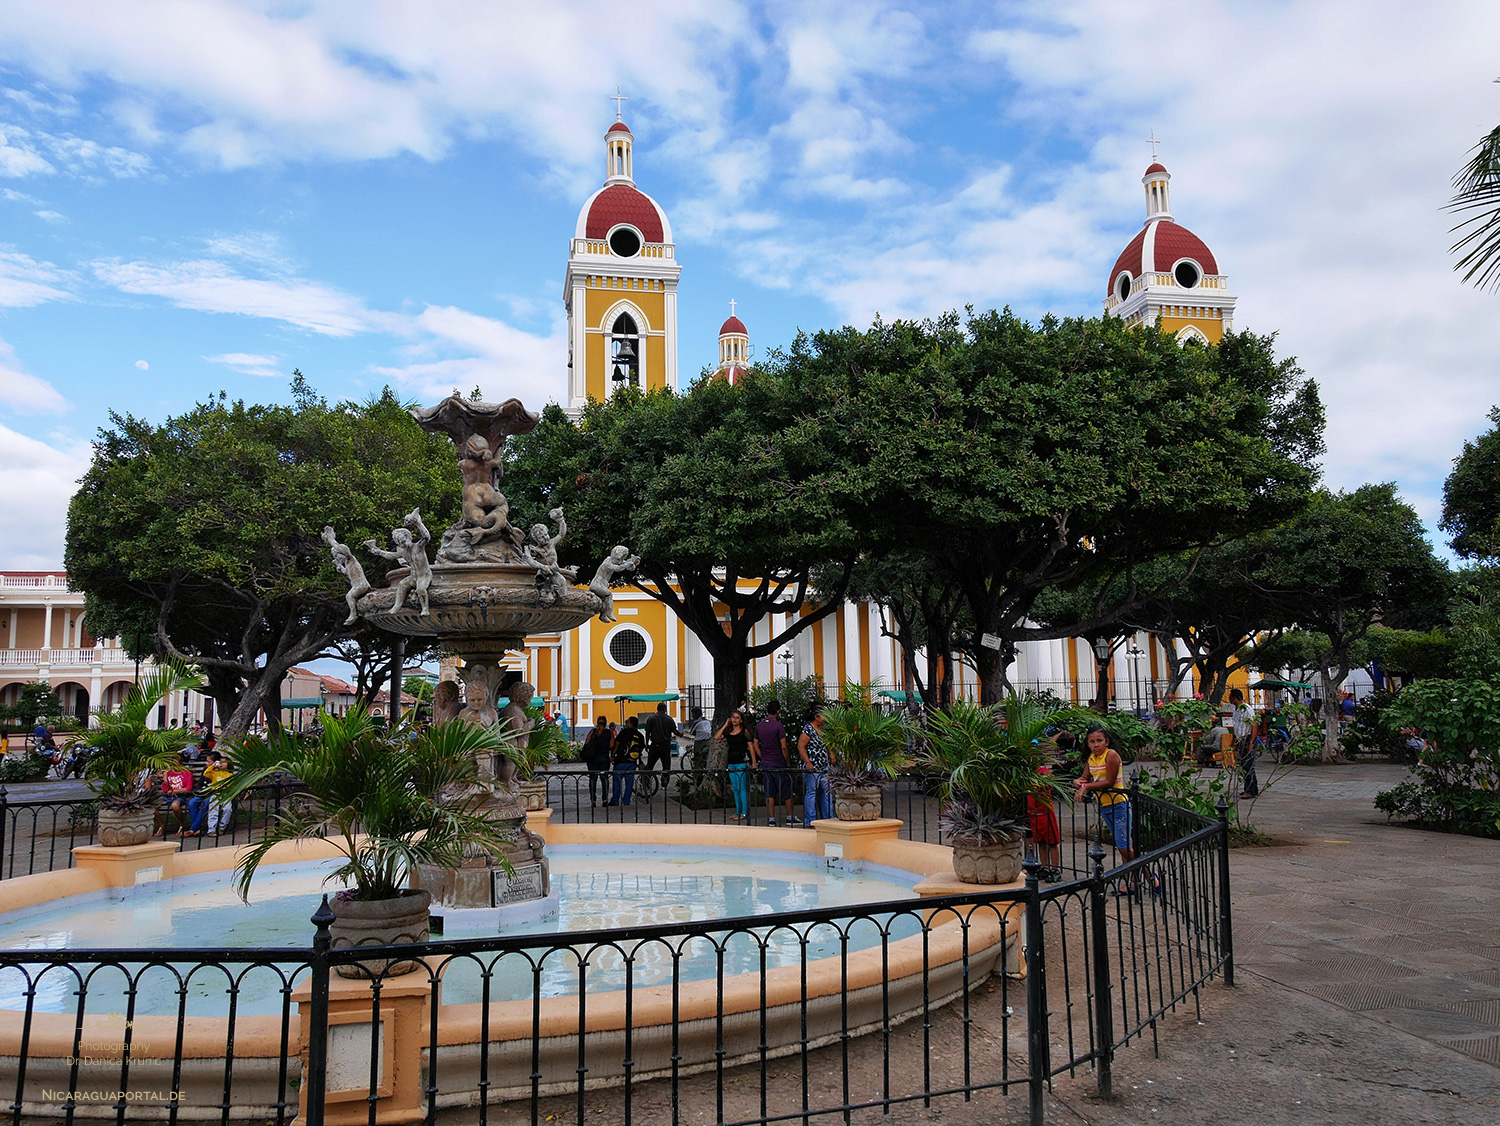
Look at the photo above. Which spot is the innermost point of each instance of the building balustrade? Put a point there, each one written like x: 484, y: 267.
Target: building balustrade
x: 64, y: 658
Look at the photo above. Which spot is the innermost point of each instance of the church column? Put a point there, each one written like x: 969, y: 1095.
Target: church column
x: 830, y: 670
x: 585, y: 635
x: 670, y: 301
x: 852, y: 670
x: 674, y: 677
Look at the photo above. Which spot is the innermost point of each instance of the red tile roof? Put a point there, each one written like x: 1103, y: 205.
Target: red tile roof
x: 620, y: 203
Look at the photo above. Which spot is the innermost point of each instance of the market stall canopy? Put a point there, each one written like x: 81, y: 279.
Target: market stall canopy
x: 1281, y: 684
x: 649, y: 697
x: 893, y: 693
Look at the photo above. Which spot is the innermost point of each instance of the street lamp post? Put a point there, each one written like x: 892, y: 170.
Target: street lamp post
x: 1102, y: 650
x: 786, y: 657
x: 1135, y: 653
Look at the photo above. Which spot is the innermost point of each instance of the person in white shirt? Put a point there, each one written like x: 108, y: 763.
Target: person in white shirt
x: 1244, y: 741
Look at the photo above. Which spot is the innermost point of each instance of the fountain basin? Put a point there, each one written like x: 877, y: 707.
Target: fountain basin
x: 879, y: 986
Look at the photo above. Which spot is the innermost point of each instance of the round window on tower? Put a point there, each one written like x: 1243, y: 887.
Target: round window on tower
x: 625, y: 241
x: 1122, y: 286
x: 1187, y: 274
x: 627, y: 648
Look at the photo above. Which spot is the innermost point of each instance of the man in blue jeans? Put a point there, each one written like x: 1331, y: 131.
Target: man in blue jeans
x: 817, y: 798
x: 629, y: 745
x: 777, y: 780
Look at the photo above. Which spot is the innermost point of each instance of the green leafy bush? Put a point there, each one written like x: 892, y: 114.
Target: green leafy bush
x: 1457, y: 783
x: 1192, y: 789
x: 795, y: 696
x: 32, y: 768
x: 1367, y: 734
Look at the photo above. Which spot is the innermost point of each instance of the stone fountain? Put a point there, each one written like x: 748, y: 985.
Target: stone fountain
x: 489, y: 586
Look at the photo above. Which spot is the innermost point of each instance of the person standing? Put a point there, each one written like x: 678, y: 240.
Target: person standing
x: 1101, y: 779
x: 701, y: 731
x: 770, y: 738
x: 742, y: 754
x: 660, y: 727
x: 1242, y: 716
x: 595, y: 754
x: 630, y: 744
x: 817, y: 795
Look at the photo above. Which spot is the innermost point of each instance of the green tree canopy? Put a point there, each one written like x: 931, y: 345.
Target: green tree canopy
x: 731, y: 496
x: 1471, y: 496
x: 207, y: 528
x: 1347, y: 561
x: 1022, y: 457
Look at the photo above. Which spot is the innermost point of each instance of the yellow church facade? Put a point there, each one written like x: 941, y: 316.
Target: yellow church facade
x: 620, y: 294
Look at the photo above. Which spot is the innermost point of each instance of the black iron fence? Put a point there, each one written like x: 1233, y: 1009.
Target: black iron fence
x: 39, y: 836
x: 796, y: 1016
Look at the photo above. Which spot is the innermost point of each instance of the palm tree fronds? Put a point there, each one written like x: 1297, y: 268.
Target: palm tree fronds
x: 1477, y: 196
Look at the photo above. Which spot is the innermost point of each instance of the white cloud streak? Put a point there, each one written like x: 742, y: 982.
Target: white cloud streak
x: 21, y: 390
x: 249, y: 363
x: 213, y: 287
x: 40, y: 478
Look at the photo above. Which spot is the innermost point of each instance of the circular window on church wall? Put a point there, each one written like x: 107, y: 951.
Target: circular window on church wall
x: 1187, y: 274
x: 1122, y: 287
x: 627, y: 648
x: 625, y: 241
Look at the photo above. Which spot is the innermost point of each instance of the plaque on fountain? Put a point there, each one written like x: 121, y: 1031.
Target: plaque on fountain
x: 526, y: 883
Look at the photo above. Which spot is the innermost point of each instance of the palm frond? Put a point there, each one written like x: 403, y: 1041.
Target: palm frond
x: 1477, y: 196
x: 383, y: 797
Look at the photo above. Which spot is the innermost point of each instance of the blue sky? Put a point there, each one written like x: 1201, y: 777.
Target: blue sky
x: 384, y: 192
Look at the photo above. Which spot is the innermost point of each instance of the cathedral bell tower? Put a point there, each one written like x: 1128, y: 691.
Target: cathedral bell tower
x: 1167, y: 276
x: 621, y: 286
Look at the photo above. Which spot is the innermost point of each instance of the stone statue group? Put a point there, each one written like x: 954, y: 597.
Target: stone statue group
x: 414, y: 572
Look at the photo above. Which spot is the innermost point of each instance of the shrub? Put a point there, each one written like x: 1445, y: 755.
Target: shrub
x: 1367, y: 734
x: 32, y: 768
x: 1457, y: 783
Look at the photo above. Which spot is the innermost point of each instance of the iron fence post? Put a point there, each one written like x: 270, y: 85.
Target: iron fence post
x: 315, y: 1079
x: 1037, y: 1038
x: 4, y: 814
x: 1135, y: 810
x: 1104, y: 1014
x: 1226, y: 920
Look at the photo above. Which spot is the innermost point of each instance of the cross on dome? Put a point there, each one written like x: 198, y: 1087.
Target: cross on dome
x: 619, y: 99
x: 731, y: 306
x: 1153, y: 142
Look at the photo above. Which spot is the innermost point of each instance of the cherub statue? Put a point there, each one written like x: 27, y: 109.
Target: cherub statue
x: 350, y: 568
x: 484, y: 505
x: 540, y: 551
x: 447, y: 701
x: 411, y: 550
x: 617, y: 562
x: 479, y: 695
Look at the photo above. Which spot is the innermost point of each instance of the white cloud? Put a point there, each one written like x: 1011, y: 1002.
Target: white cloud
x: 142, y: 365
x: 22, y: 390
x: 40, y: 479
x: 18, y: 157
x: 502, y: 360
x: 213, y: 287
x: 249, y: 363
x: 24, y: 281
x: 51, y: 216
x: 240, y: 85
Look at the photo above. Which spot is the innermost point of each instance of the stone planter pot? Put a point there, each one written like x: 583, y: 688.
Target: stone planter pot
x: 379, y: 922
x: 120, y: 828
x: 856, y: 803
x: 534, y: 794
x: 988, y: 863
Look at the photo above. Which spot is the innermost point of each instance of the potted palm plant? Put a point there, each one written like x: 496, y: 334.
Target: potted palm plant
x: 993, y: 760
x: 543, y: 746
x: 390, y: 800
x: 866, y: 748
x: 125, y: 755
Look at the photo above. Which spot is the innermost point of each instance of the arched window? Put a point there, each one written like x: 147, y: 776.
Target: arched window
x: 625, y: 352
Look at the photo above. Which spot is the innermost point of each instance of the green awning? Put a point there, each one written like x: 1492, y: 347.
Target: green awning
x: 893, y: 693
x: 302, y: 702
x: 649, y: 697
x: 1267, y: 683
x: 536, y: 702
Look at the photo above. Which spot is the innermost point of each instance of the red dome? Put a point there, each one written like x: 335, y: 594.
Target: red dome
x: 1156, y: 168
x: 620, y: 203
x: 733, y: 325
x: 617, y: 127
x: 1170, y: 243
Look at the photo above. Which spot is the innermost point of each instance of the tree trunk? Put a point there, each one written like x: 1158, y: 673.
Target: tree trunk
x: 1328, y: 686
x: 731, y: 685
